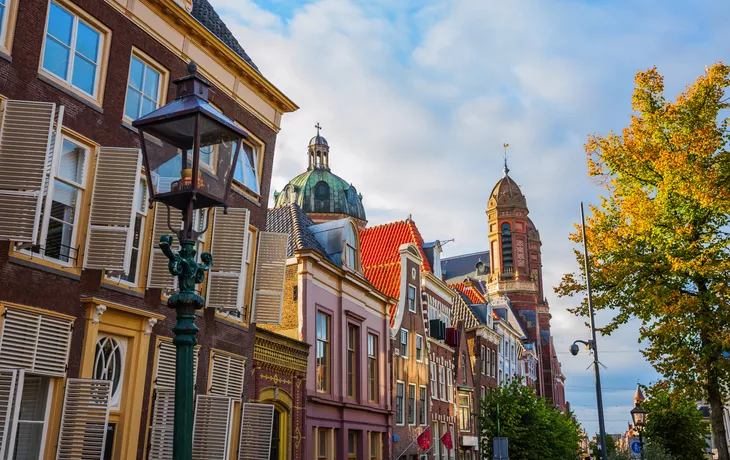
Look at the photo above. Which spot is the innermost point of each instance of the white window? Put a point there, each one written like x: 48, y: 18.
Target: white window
x: 109, y: 362
x: 140, y: 217
x: 4, y: 17
x: 436, y: 441
x: 144, y: 88
x: 422, y: 408
x: 411, y: 404
x: 442, y: 383
x: 449, y: 386
x: 483, y: 359
x: 404, y: 343
x: 72, y: 50
x: 419, y: 348
x: 246, y: 171
x: 399, y: 400
x: 352, y: 250
x: 62, y: 204
x: 25, y: 434
x: 411, y: 298
x: 434, y: 390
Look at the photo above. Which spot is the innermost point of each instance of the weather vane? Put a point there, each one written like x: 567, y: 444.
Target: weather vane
x: 506, y: 169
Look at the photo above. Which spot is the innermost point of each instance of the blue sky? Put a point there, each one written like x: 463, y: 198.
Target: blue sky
x: 417, y: 97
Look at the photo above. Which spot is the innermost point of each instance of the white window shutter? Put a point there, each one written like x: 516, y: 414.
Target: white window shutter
x: 268, y: 295
x: 162, y: 426
x: 159, y: 275
x: 256, y: 426
x: 8, y: 389
x: 113, y: 202
x: 35, y: 342
x: 166, y: 364
x: 226, y: 375
x: 227, y: 276
x: 211, y: 428
x: 84, y: 419
x: 26, y: 141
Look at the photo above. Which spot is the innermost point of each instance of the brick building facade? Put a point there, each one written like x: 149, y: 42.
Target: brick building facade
x: 111, y: 328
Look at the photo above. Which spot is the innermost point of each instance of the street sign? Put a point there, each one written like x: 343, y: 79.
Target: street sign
x: 636, y: 447
x: 501, y: 449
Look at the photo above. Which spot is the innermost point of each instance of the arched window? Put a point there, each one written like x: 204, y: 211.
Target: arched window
x: 109, y: 365
x: 352, y: 248
x: 506, y: 248
x: 322, y: 197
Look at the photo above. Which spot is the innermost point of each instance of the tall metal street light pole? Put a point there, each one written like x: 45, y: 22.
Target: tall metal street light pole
x: 190, y: 151
x: 591, y: 344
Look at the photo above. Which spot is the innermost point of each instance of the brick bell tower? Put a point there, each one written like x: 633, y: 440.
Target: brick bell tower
x: 516, y: 270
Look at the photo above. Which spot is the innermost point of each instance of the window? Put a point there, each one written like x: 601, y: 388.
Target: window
x: 484, y: 358
x: 352, y: 251
x: 484, y: 391
x: 442, y: 387
x: 323, y: 352
x: 404, y: 343
x: 322, y: 444
x: 144, y: 88
x: 463, y: 368
x: 351, y: 360
x: 435, y: 442
x: 351, y: 445
x: 7, y: 20
x: 411, y: 298
x: 494, y: 363
x: 444, y: 451
x: 399, y: 390
x: 60, y: 219
x: 434, y: 392
x: 322, y: 197
x: 411, y: 404
x: 73, y: 50
x: 449, y: 386
x: 464, y: 412
x: 132, y: 278
x: 246, y: 169
x: 506, y: 248
x: 372, y: 368
x: 419, y: 347
x: 109, y: 361
x: 422, y: 407
x: 375, y: 449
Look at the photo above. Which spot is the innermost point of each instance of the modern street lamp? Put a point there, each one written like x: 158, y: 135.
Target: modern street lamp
x: 190, y: 150
x: 591, y: 344
x: 638, y: 415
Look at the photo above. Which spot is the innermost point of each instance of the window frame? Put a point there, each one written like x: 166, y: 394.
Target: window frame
x: 400, y: 417
x: 442, y: 383
x: 412, y: 417
x: 352, y: 249
x: 411, y: 300
x: 423, y: 408
x: 434, y: 383
x: 163, y: 84
x: 464, y: 422
x: 7, y: 26
x: 14, y: 422
x: 483, y: 363
x: 105, y: 36
x: 352, y: 359
x: 449, y: 385
x: 327, y: 343
x: 404, y: 345
x: 115, y: 398
x: 419, y: 348
x: 373, y: 393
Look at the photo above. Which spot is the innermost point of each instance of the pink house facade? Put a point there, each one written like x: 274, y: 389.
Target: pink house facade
x: 330, y: 305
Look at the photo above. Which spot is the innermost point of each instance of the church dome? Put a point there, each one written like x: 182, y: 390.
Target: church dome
x: 320, y: 193
x: 507, y: 192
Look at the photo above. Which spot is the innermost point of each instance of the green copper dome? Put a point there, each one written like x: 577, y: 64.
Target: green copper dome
x: 319, y: 192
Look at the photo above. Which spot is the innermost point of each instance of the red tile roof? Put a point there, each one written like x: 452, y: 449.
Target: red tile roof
x: 469, y: 291
x: 381, y: 259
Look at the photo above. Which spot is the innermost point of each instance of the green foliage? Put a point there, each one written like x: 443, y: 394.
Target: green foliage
x: 674, y: 423
x: 659, y: 245
x: 536, y: 430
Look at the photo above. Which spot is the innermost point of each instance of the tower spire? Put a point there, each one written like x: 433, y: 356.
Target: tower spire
x: 506, y: 169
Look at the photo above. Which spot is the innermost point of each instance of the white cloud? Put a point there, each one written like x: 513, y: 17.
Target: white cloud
x: 416, y: 99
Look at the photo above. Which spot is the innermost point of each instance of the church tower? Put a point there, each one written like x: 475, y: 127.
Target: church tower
x: 516, y: 271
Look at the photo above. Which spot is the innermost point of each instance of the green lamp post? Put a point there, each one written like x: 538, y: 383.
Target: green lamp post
x: 190, y: 150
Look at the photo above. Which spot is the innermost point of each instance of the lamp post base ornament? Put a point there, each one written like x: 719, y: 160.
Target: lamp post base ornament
x: 189, y: 273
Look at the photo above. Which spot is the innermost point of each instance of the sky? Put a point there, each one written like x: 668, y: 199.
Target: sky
x: 416, y: 98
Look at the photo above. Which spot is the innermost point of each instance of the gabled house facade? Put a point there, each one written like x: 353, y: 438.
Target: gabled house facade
x: 466, y: 399
x: 85, y: 331
x: 330, y: 305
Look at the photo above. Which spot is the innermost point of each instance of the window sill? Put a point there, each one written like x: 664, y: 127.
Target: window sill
x: 243, y: 191
x: 5, y: 54
x: 123, y: 288
x: 27, y: 262
x: 94, y: 105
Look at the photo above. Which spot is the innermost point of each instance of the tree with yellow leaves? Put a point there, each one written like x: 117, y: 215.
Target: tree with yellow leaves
x: 659, y: 243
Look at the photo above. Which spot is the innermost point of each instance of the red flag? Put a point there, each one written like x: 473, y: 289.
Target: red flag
x: 424, y: 439
x: 448, y: 442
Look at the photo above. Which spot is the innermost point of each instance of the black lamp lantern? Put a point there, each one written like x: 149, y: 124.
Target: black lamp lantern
x: 638, y: 415
x: 190, y: 152
x: 190, y: 149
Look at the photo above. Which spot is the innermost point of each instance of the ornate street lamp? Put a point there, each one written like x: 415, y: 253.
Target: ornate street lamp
x: 638, y: 415
x: 190, y: 150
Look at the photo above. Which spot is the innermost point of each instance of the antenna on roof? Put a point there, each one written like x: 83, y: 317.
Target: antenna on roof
x: 409, y: 218
x: 443, y: 243
x: 506, y: 169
